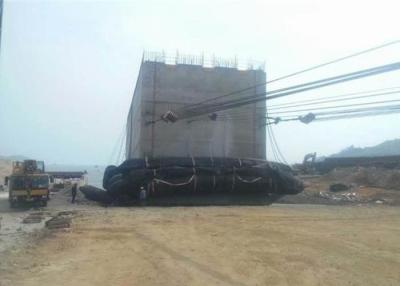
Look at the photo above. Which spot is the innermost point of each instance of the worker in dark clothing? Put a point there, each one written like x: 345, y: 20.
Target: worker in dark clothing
x: 74, y: 190
x: 142, y: 196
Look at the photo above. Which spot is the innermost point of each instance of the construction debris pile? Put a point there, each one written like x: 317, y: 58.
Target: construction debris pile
x: 368, y: 176
x: 171, y: 175
x: 61, y: 221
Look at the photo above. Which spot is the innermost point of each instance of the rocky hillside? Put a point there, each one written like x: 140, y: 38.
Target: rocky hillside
x: 387, y: 148
x: 13, y: 158
x: 5, y: 169
x: 6, y: 165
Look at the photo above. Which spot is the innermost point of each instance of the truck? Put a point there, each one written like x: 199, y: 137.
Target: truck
x: 28, y: 182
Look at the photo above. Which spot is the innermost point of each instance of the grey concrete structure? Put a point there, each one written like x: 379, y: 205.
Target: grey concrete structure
x: 162, y: 86
x: 1, y: 19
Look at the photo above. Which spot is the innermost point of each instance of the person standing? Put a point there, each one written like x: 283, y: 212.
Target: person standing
x: 74, y: 190
x: 142, y: 196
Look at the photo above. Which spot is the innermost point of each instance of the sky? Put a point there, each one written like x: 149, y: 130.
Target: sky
x: 68, y: 68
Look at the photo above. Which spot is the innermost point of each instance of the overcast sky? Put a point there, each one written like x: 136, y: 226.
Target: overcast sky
x: 68, y: 68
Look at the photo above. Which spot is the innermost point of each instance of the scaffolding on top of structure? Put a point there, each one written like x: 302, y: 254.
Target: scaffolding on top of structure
x: 207, y: 61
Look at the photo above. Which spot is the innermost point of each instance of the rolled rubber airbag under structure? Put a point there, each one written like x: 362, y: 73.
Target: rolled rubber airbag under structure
x: 174, y: 175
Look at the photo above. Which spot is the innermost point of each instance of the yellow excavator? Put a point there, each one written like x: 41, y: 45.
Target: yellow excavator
x: 28, y: 183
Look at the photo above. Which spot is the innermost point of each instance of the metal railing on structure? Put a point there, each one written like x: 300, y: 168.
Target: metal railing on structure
x: 209, y: 61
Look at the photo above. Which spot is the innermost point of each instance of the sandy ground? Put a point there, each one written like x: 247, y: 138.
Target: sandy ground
x: 12, y: 231
x: 339, y: 239
x: 14, y: 234
x: 263, y: 245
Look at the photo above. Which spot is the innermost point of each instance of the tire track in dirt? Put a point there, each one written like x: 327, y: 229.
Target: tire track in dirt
x: 187, y: 260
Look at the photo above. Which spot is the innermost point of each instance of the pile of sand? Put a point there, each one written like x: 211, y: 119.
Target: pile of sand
x: 368, y: 176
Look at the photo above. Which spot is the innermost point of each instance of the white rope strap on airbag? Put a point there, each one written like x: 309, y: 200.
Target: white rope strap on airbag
x: 248, y: 181
x: 159, y: 181
x: 153, y: 185
x: 193, y: 161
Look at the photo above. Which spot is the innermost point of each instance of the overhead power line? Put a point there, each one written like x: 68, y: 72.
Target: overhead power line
x: 338, y: 114
x: 356, y: 115
x: 336, y: 100
x: 274, y: 144
x: 297, y: 73
x: 362, y: 109
x: 336, y: 106
x: 319, y: 116
x: 290, y: 90
x: 261, y: 113
x: 366, y: 92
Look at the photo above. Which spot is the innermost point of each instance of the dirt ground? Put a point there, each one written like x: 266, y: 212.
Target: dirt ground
x: 262, y: 245
x: 314, y: 238
x: 317, y: 192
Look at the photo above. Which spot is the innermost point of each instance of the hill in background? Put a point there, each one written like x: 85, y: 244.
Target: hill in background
x: 387, y: 148
x: 13, y: 158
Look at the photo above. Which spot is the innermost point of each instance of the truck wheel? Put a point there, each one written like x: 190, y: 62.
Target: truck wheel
x: 44, y: 203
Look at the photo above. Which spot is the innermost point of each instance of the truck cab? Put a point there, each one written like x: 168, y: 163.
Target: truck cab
x: 28, y: 183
